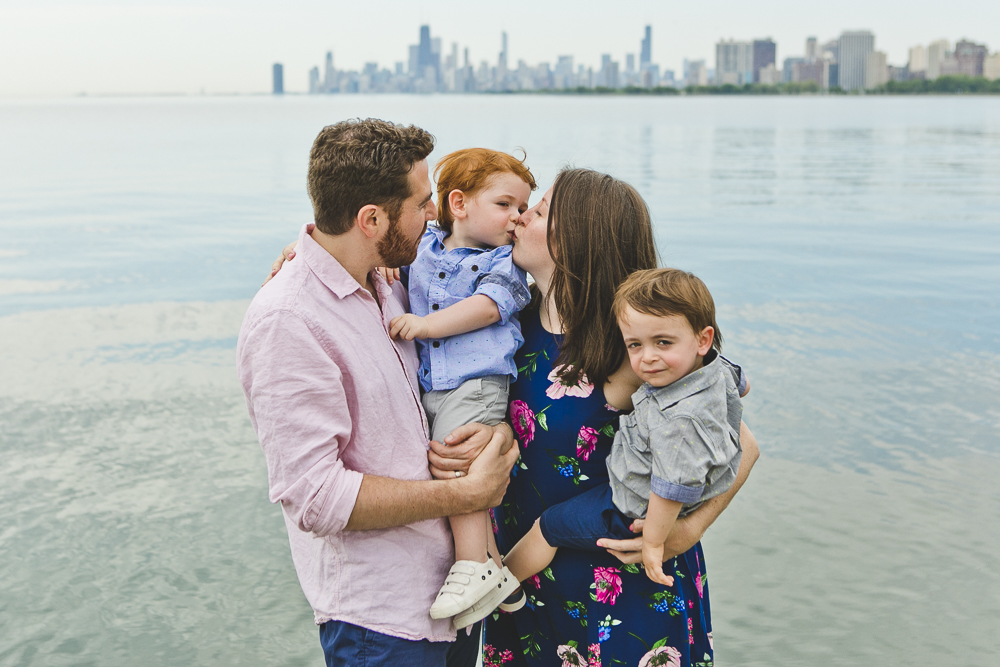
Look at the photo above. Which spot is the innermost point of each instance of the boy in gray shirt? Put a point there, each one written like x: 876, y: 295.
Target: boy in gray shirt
x: 679, y: 447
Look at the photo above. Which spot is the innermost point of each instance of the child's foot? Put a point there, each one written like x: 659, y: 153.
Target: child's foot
x: 514, y: 601
x: 467, y: 583
x: 488, y: 603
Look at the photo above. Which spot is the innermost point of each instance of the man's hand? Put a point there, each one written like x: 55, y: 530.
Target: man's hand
x: 684, y: 535
x: 462, y: 447
x: 489, y: 474
x: 652, y: 561
x: 408, y: 327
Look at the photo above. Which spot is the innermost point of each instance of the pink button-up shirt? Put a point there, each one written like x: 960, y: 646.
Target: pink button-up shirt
x: 333, y: 398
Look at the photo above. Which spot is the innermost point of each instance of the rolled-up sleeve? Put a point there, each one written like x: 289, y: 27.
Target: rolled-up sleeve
x: 506, y: 284
x: 296, y: 397
x: 682, y: 452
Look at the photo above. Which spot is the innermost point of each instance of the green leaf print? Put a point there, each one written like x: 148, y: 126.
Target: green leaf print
x: 631, y: 568
x: 547, y: 573
x: 608, y: 430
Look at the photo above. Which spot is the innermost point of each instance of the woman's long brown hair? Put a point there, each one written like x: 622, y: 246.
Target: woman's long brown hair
x: 599, y: 232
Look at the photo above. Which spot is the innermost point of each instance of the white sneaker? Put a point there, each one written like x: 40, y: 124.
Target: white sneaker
x: 487, y: 604
x: 467, y: 582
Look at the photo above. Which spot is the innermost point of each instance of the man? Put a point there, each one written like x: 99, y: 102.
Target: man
x: 336, y: 406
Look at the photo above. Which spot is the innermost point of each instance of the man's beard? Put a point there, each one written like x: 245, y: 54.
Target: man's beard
x: 395, y: 249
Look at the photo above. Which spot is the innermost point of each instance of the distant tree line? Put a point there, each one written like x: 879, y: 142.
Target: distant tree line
x: 947, y: 85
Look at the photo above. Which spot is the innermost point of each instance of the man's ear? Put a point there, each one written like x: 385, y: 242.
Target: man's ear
x: 705, y: 339
x: 371, y: 219
x: 456, y: 204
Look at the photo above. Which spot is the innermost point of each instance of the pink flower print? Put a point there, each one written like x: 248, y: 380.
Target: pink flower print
x: 710, y: 644
x: 608, y: 582
x: 690, y: 631
x: 582, y: 389
x: 570, y: 656
x: 586, y: 442
x: 608, y: 406
x: 594, y: 655
x: 665, y: 656
x: 699, y: 585
x: 493, y: 521
x: 524, y: 421
x: 490, y: 659
x: 535, y: 581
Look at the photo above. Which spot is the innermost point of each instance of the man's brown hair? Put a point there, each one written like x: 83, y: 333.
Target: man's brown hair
x: 666, y: 292
x: 359, y: 162
x: 469, y: 170
x: 599, y: 232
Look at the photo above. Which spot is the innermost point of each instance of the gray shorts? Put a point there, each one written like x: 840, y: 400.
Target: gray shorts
x: 482, y: 400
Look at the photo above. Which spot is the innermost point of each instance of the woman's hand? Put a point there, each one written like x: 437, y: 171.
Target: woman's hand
x: 462, y: 447
x: 287, y: 254
x: 685, y: 534
x: 390, y: 275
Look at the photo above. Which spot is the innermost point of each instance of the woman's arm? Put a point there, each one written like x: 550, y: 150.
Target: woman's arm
x: 690, y: 529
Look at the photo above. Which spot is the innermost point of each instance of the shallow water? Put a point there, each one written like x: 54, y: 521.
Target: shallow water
x: 852, y: 245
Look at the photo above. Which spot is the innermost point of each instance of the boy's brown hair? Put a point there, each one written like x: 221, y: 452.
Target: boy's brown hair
x: 359, y: 162
x: 469, y: 170
x: 665, y: 292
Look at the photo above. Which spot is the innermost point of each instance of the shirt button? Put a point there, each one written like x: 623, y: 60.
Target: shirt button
x: 441, y: 275
x: 436, y: 343
x: 475, y: 267
x: 435, y: 307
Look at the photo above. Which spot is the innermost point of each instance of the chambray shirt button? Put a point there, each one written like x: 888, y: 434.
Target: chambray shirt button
x: 436, y: 343
x: 475, y: 267
x: 441, y: 275
x: 435, y: 307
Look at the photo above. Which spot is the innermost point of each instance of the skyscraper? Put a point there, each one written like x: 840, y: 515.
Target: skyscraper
x: 278, y: 76
x: 314, y: 81
x: 765, y: 53
x: 646, y: 52
x: 329, y: 75
x: 855, y: 48
x: 936, y: 52
x: 734, y: 63
x: 811, y: 48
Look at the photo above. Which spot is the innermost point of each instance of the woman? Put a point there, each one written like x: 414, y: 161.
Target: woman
x: 579, y: 243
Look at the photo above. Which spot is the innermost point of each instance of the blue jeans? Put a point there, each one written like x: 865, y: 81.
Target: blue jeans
x: 579, y: 522
x: 347, y: 645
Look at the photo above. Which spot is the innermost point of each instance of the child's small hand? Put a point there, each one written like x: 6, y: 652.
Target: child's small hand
x: 390, y: 275
x: 408, y: 327
x: 652, y: 560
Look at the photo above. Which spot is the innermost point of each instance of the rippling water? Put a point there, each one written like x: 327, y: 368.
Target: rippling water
x: 852, y: 245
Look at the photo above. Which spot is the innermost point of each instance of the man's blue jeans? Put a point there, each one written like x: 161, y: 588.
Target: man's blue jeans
x: 347, y: 645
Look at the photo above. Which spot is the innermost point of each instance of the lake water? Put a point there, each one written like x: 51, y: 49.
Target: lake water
x: 852, y: 245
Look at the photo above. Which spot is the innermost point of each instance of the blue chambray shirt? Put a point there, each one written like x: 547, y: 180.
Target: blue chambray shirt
x: 682, y: 442
x: 439, y: 278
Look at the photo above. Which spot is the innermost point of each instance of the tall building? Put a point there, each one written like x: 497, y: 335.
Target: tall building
x: 734, y: 63
x: 936, y: 53
x: 991, y: 67
x: 855, y: 47
x: 876, y: 70
x: 970, y: 57
x: 329, y: 74
x: 812, y: 52
x: 314, y: 81
x: 918, y: 60
x: 646, y: 52
x: 765, y: 53
x: 278, y: 79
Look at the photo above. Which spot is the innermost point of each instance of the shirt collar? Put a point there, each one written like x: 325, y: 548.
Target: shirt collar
x: 689, y: 385
x: 331, y: 273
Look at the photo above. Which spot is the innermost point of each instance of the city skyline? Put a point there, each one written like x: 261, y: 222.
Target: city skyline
x: 219, y: 46
x: 849, y: 63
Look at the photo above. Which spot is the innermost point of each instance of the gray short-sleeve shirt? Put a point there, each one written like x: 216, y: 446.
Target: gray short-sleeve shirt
x: 682, y: 442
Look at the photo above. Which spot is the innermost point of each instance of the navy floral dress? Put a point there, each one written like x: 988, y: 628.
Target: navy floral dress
x: 586, y: 608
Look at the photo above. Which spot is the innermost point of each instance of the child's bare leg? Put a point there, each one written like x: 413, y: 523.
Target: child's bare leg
x: 530, y: 555
x: 472, y: 533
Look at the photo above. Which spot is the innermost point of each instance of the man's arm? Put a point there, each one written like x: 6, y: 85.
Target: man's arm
x: 300, y: 412
x: 384, y: 502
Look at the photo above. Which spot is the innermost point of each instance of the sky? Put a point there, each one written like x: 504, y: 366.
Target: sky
x: 51, y: 48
